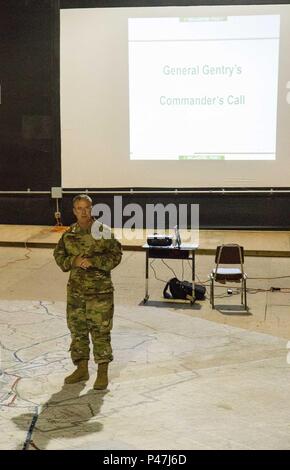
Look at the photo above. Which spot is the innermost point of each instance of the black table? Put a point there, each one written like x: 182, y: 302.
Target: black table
x: 184, y: 251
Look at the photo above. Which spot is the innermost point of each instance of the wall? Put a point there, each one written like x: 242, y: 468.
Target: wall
x: 30, y: 129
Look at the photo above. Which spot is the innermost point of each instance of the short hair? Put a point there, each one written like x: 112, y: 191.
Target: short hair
x: 81, y: 197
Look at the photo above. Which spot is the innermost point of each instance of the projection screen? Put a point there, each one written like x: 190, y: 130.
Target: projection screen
x: 175, y: 97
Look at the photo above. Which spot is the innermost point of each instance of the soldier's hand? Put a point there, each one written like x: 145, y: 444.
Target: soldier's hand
x: 78, y: 261
x: 86, y: 263
x: 82, y: 262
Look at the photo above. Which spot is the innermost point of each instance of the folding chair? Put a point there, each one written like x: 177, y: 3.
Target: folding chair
x: 229, y: 254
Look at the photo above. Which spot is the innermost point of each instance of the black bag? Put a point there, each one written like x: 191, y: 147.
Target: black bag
x: 183, y: 290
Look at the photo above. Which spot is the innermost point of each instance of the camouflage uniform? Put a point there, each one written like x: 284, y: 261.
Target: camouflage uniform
x: 90, y: 304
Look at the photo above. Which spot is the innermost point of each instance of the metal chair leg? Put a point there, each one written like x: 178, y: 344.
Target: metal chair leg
x: 242, y: 292
x: 245, y: 286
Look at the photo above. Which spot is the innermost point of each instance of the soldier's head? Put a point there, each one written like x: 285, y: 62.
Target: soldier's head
x: 82, y: 208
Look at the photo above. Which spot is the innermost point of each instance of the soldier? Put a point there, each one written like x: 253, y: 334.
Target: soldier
x: 89, y: 291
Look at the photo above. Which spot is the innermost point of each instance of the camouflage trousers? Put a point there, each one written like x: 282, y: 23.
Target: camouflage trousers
x: 90, y: 316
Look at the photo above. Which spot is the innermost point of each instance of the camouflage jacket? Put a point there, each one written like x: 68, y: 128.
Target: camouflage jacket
x: 105, y: 254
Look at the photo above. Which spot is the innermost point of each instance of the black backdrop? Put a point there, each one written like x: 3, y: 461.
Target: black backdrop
x: 30, y: 143
x: 29, y: 110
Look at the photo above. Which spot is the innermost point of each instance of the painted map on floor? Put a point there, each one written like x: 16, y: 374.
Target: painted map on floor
x: 177, y: 382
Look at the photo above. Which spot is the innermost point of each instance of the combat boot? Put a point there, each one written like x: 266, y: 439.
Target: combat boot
x: 101, y: 382
x: 80, y: 374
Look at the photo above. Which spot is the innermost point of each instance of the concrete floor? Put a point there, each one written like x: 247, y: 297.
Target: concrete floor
x: 184, y: 377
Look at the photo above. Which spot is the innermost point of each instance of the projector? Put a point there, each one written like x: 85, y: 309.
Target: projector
x: 159, y: 240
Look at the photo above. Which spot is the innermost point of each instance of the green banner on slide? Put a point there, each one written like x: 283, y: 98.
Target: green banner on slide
x: 201, y: 157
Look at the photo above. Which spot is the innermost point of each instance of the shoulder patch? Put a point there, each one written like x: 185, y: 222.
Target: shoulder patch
x: 71, y: 228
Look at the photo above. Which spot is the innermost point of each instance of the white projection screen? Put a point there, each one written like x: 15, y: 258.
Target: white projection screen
x: 175, y: 97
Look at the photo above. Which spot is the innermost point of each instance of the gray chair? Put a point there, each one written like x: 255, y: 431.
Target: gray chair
x: 231, y: 254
